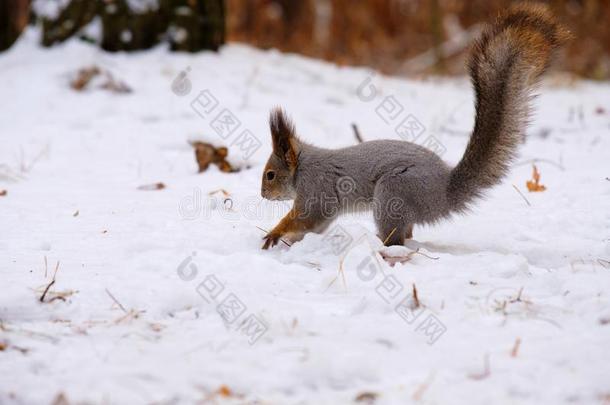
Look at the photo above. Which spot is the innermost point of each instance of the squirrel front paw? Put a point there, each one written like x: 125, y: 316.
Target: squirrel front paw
x: 271, y: 239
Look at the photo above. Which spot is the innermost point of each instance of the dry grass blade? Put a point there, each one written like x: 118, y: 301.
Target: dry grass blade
x: 116, y: 301
x: 282, y: 240
x: 522, y: 196
x: 357, y: 134
x: 418, y: 394
x: 389, y: 236
x: 131, y: 314
x: 220, y: 190
x: 604, y: 263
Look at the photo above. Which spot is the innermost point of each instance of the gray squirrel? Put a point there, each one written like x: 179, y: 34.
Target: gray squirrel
x: 405, y: 184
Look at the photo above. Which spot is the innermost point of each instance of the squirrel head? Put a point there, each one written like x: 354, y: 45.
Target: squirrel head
x: 278, y: 176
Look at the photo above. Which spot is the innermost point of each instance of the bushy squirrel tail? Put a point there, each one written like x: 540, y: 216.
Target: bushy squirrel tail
x: 505, y: 65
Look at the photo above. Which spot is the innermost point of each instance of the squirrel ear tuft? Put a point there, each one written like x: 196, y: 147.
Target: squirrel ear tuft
x: 283, y: 135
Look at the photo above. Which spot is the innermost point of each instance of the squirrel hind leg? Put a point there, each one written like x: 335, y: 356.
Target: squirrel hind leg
x: 394, y: 216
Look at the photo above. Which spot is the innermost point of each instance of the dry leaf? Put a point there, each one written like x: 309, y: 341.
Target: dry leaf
x: 115, y: 86
x: 207, y: 154
x: 83, y: 77
x: 534, y: 184
x: 3, y: 193
x: 366, y: 397
x: 224, y: 391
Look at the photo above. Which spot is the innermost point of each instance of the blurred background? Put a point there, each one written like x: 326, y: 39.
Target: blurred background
x: 400, y: 37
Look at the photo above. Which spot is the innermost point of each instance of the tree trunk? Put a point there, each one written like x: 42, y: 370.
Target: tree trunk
x: 197, y: 25
x: 14, y: 16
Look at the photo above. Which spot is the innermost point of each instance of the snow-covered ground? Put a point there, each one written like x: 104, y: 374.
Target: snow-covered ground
x: 514, y: 298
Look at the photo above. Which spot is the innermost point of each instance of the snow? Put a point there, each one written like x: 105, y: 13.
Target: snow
x: 49, y: 9
x: 72, y: 162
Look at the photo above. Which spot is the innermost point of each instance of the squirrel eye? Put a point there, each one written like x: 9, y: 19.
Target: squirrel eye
x: 270, y: 175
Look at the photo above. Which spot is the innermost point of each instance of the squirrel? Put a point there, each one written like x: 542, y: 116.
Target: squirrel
x: 405, y: 184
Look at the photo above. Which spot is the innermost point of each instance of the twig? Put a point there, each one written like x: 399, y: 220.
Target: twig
x: 513, y: 353
x: 417, y: 252
x: 116, y: 301
x: 357, y: 133
x: 518, y: 297
x: 25, y: 168
x: 46, y: 290
x: 286, y: 243
x: 521, y: 194
x: 415, y: 298
x: 220, y: 190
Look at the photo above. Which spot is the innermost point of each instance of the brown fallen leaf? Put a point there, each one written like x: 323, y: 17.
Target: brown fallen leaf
x: 3, y: 193
x: 366, y: 397
x: 83, y: 77
x: 534, y: 184
x: 114, y: 85
x: 154, y: 186
x: 224, y: 391
x: 207, y: 154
